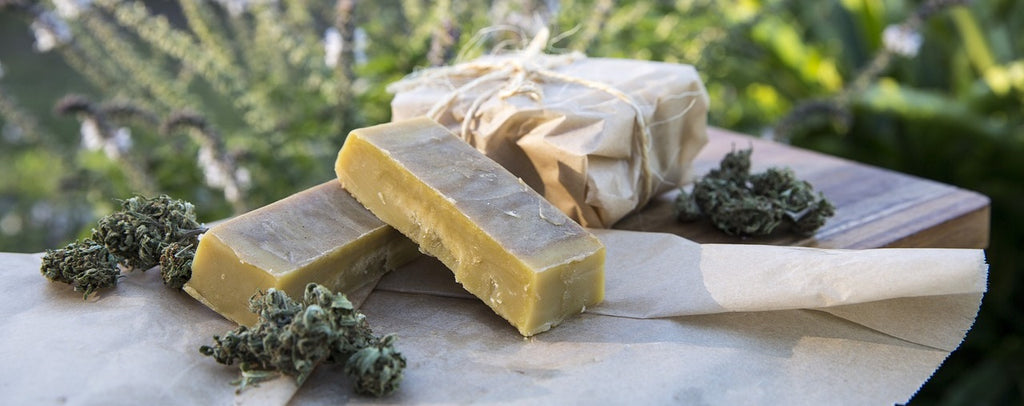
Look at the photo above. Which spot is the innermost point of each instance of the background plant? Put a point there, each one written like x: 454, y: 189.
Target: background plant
x: 188, y: 98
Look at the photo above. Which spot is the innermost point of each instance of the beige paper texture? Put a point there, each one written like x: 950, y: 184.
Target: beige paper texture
x: 573, y: 134
x: 680, y: 325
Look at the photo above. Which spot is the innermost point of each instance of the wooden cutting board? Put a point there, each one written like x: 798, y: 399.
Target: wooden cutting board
x: 874, y: 207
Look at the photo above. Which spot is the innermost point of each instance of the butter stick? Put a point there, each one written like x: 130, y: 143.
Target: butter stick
x: 319, y: 235
x: 506, y: 244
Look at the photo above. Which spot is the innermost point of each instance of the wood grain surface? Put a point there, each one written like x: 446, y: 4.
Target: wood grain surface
x: 874, y: 207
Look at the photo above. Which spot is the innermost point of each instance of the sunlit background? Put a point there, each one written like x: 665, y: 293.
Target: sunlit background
x: 232, y: 104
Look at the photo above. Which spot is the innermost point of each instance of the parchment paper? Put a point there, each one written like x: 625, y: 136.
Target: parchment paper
x: 681, y: 323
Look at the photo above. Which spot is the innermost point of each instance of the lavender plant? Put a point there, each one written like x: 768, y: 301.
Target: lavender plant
x: 259, y: 93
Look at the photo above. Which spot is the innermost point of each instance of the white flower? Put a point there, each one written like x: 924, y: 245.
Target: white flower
x: 119, y: 144
x: 901, y: 40
x: 231, y: 193
x: 243, y: 177
x: 332, y: 47
x: 235, y: 7
x: 92, y: 140
x: 212, y: 170
x: 71, y: 8
x: 45, y: 39
x: 50, y: 31
x: 218, y: 175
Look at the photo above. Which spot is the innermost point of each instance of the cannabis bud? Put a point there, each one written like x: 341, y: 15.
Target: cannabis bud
x: 377, y: 369
x: 176, y: 264
x: 85, y: 265
x: 739, y: 203
x: 144, y: 233
x: 293, y: 338
x: 143, y: 227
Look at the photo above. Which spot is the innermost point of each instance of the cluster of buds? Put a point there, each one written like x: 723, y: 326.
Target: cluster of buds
x: 144, y: 233
x: 740, y: 203
x: 293, y: 338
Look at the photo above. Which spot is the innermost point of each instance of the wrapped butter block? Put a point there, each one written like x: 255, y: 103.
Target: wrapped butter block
x: 319, y: 235
x: 597, y: 137
x: 507, y: 245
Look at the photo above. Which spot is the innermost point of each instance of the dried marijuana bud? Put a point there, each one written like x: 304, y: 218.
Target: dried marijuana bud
x: 85, y: 265
x: 739, y: 203
x: 140, y: 231
x: 294, y: 338
x: 354, y: 331
x: 734, y: 167
x: 176, y: 264
x: 686, y: 208
x: 143, y: 234
x: 376, y: 370
x: 806, y: 210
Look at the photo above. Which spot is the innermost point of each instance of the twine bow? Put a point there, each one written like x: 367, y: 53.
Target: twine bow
x: 522, y: 72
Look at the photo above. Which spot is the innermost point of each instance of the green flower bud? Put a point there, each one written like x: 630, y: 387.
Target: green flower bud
x: 744, y: 204
x: 143, y: 227
x: 85, y: 265
x: 294, y: 338
x: 376, y: 370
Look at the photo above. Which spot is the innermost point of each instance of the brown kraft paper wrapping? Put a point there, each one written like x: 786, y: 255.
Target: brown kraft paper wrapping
x: 596, y: 137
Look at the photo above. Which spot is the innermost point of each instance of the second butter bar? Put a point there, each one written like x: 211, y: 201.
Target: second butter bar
x: 319, y: 235
x: 506, y: 244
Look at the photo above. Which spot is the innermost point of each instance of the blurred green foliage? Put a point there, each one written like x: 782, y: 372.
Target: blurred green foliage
x: 931, y: 88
